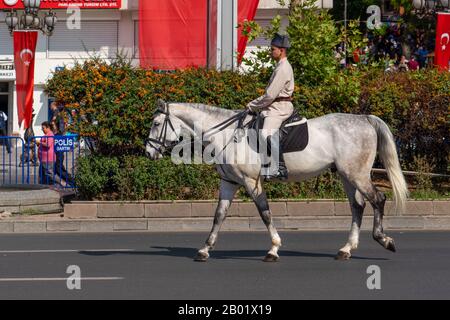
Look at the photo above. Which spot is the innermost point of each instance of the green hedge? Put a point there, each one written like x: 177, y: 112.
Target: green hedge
x: 138, y: 178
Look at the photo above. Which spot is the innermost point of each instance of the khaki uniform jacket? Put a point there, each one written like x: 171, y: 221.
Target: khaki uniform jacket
x: 281, y: 84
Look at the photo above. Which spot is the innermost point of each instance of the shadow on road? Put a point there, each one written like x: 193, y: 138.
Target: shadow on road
x: 189, y: 253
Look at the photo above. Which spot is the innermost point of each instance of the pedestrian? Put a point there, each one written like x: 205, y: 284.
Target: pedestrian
x: 46, y: 155
x: 4, y: 131
x: 58, y: 126
x: 422, y: 54
x: 29, y: 154
x: 57, y: 121
x: 403, y: 64
x: 29, y: 150
x: 413, y: 64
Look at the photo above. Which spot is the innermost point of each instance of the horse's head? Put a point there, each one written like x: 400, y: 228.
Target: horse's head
x: 164, y: 133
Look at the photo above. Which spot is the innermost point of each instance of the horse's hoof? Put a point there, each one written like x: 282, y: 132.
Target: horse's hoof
x: 343, y: 256
x: 201, y: 257
x: 271, y: 258
x: 390, y: 245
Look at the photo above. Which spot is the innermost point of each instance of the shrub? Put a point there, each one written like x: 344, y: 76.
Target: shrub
x: 416, y: 105
x: 96, y: 175
x: 139, y: 178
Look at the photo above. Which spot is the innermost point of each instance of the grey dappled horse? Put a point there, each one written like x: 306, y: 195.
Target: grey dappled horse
x: 345, y: 142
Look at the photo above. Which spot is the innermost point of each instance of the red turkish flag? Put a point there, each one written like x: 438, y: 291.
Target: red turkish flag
x: 442, y: 51
x: 246, y: 11
x: 24, y: 57
x: 172, y: 33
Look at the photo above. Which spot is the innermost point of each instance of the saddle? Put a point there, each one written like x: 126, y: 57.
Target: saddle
x: 294, y: 135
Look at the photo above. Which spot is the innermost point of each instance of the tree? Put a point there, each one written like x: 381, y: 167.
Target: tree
x: 293, y: 4
x: 313, y: 35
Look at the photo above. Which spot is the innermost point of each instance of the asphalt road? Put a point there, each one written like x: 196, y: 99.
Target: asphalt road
x: 160, y: 266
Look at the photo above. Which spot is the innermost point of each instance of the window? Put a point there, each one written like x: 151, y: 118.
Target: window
x: 6, y: 41
x: 100, y: 37
x: 4, y: 87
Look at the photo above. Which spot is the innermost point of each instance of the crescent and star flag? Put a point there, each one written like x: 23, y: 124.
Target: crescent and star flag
x: 442, y: 50
x: 24, y: 57
x: 246, y: 11
x: 173, y: 33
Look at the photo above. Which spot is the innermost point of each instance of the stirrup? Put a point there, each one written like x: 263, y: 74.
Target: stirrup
x: 280, y: 175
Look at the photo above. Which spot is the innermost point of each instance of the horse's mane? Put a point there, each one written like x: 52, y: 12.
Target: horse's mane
x: 210, y: 110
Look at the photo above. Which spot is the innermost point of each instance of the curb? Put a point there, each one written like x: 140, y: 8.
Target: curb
x: 306, y: 223
x: 29, y: 199
x: 239, y: 208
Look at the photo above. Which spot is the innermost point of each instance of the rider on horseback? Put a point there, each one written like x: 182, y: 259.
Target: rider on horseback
x: 276, y: 103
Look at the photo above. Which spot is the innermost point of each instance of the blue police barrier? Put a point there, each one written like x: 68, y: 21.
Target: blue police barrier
x: 57, y: 160
x: 41, y: 160
x: 11, y: 152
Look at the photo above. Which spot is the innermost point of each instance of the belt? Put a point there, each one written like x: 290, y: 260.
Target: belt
x: 283, y: 99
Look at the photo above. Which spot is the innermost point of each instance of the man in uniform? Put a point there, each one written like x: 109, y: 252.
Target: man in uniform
x: 276, y: 103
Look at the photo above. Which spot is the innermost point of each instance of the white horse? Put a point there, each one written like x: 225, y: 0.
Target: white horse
x: 345, y: 142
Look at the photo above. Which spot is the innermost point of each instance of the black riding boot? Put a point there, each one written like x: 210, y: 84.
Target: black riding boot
x: 282, y: 173
x: 282, y: 170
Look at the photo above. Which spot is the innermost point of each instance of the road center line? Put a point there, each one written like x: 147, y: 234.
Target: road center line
x: 66, y: 251
x: 60, y: 279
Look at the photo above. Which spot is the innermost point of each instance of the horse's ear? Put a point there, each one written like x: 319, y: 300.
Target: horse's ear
x: 161, y: 105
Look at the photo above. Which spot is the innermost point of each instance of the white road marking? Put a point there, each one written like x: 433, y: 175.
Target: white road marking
x: 60, y: 279
x: 66, y: 251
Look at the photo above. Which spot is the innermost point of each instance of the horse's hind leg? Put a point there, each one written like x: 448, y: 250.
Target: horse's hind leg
x: 378, y: 232
x: 227, y: 192
x: 255, y: 190
x: 377, y: 199
x: 357, y: 205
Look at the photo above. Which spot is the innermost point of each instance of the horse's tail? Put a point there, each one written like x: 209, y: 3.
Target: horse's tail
x: 388, y: 154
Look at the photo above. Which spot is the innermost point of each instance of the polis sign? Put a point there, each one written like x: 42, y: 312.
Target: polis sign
x: 64, y: 143
x: 64, y: 4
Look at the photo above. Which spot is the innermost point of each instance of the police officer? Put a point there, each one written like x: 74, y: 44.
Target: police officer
x: 276, y: 103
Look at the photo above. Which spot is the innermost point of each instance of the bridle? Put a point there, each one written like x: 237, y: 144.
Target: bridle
x: 164, y: 148
x: 160, y: 144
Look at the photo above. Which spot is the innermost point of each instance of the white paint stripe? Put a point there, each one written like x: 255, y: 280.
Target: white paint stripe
x: 66, y: 251
x: 59, y: 279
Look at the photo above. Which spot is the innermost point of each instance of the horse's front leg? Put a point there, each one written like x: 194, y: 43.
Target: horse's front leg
x: 255, y: 190
x: 226, y: 195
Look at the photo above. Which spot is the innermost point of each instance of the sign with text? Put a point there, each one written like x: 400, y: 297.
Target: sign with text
x: 64, y: 143
x: 7, y: 70
x: 64, y: 4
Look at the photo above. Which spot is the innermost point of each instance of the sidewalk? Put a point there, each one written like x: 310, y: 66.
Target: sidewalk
x: 197, y: 216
